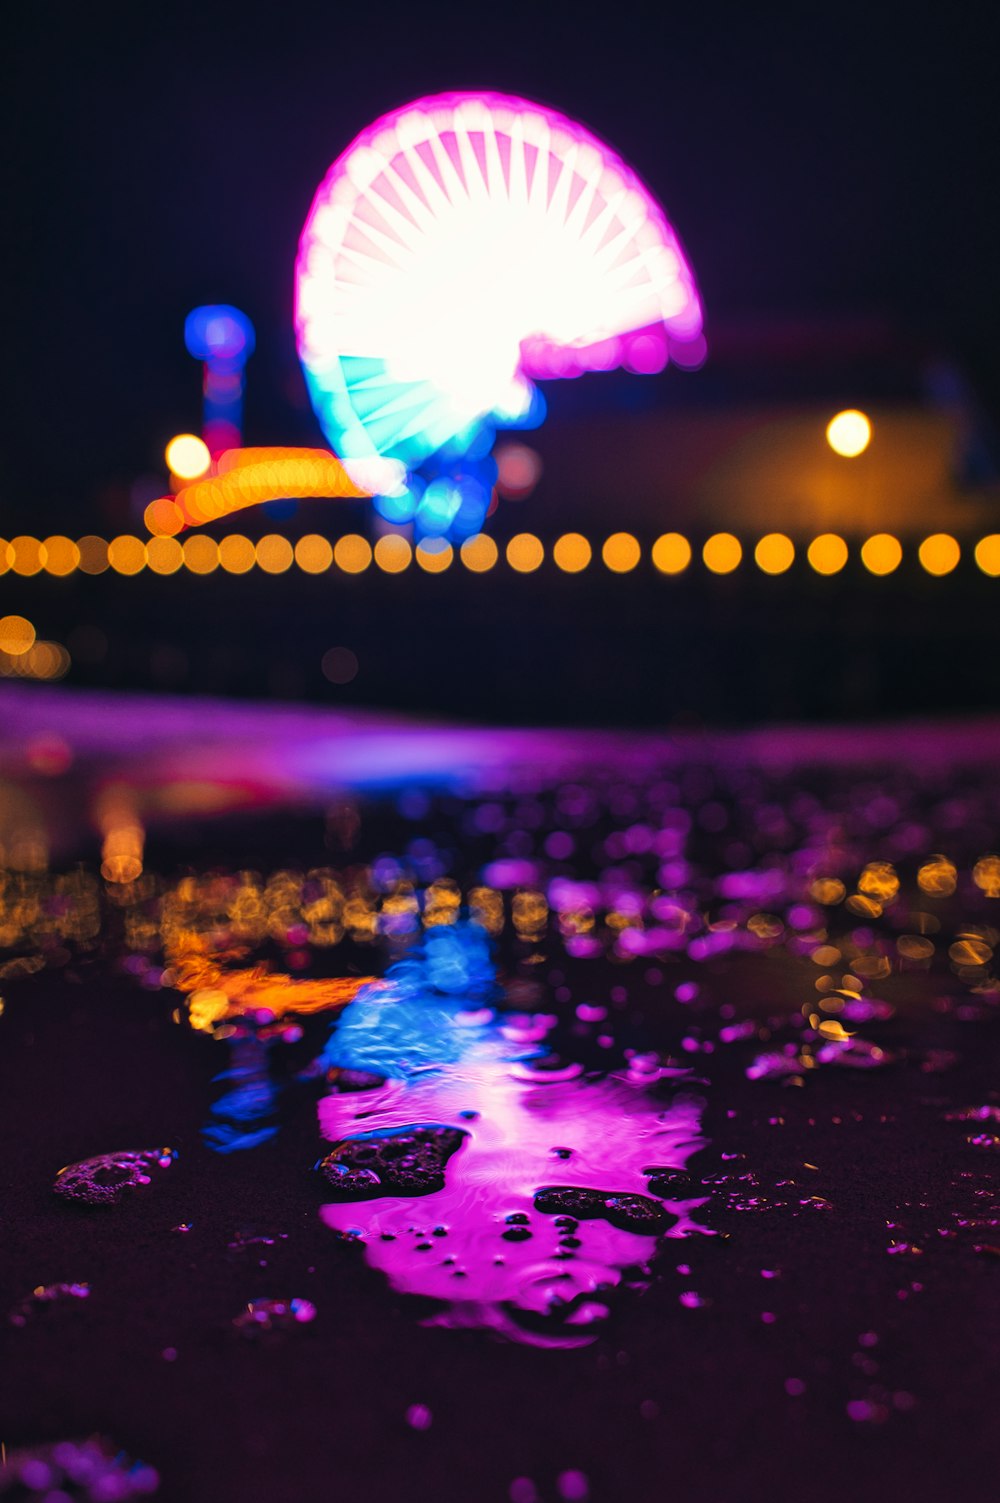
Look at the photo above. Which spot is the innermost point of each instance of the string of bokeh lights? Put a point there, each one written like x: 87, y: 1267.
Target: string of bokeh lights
x: 671, y: 554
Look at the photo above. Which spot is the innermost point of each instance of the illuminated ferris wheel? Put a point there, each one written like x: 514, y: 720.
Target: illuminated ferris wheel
x: 462, y: 248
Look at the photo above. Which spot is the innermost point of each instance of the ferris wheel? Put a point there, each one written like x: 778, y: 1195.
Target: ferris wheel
x: 462, y: 248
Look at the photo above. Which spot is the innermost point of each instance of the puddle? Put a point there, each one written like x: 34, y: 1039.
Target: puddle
x: 521, y: 1197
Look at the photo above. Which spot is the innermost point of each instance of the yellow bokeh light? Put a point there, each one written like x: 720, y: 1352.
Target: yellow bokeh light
x: 849, y: 433
x: 126, y: 554
x: 939, y: 553
x: 187, y: 456
x: 274, y: 554
x: 17, y: 635
x: 163, y: 517
x: 201, y: 554
x: 572, y: 552
x: 722, y: 553
x: 29, y: 555
x: 434, y: 555
x: 93, y: 554
x: 313, y: 554
x: 393, y: 553
x: 6, y: 556
x: 671, y: 553
x: 47, y: 660
x: 479, y: 553
x: 775, y: 553
x: 352, y: 553
x: 525, y: 553
x: 938, y: 877
x: 882, y: 553
x: 986, y: 875
x: 621, y: 552
x: 236, y: 553
x: 164, y: 555
x: 61, y: 556
x: 827, y: 554
x: 988, y: 554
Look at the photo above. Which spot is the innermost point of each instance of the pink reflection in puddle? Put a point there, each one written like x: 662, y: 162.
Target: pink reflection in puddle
x: 479, y: 1245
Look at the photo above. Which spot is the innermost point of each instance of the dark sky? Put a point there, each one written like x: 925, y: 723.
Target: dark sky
x: 818, y: 158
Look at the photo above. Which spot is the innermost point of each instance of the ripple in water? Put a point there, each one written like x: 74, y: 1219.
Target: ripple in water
x: 519, y: 1197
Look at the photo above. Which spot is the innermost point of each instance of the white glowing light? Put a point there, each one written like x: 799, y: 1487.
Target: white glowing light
x: 187, y: 456
x: 460, y: 247
x: 849, y: 433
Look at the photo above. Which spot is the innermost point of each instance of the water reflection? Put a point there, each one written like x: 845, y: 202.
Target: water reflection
x: 526, y: 1197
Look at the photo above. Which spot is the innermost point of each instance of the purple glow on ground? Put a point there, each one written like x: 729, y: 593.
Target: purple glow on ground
x: 607, y: 1131
x: 313, y: 748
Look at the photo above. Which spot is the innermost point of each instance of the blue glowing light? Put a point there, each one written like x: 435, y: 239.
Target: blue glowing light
x: 401, y: 508
x: 243, y: 1116
x: 219, y: 333
x: 432, y: 1007
x: 224, y: 339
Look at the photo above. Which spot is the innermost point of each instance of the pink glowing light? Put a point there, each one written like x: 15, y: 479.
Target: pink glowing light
x: 463, y: 246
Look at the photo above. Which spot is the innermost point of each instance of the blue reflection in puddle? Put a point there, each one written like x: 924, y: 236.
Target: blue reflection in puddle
x: 484, y: 1240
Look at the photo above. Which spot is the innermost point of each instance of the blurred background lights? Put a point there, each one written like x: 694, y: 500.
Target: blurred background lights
x: 479, y: 553
x: 572, y: 553
x: 722, y: 553
x: 525, y: 553
x: 352, y: 553
x: 849, y: 433
x: 93, y: 555
x: 672, y: 553
x: 621, y: 552
x: 827, y: 554
x: 882, y: 553
x: 939, y: 554
x: 516, y: 284
x: 519, y: 469
x: 647, y: 354
x: 29, y: 555
x: 42, y: 660
x: 253, y: 477
x: 237, y: 554
x: 163, y: 517
x: 775, y: 553
x: 988, y: 554
x: 393, y: 554
x: 62, y: 556
x: 164, y: 555
x: 274, y: 554
x: 340, y: 665
x: 187, y: 456
x: 219, y: 332
x: 313, y: 554
x: 17, y: 635
x: 126, y: 555
x: 201, y: 554
x: 401, y: 507
x: 434, y: 555
x: 438, y: 507
x: 222, y: 338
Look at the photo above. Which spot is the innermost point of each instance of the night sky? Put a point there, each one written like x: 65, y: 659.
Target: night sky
x: 827, y: 161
